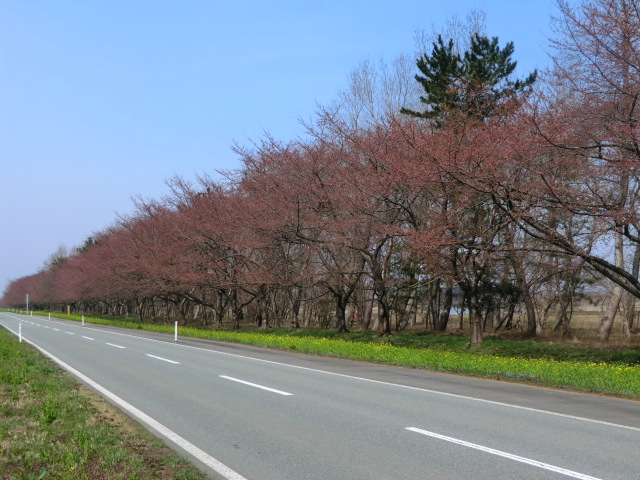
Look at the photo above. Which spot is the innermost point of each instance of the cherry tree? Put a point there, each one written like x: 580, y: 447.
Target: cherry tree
x: 584, y: 164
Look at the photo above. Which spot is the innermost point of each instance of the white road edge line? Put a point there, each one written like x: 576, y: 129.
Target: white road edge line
x: 114, y: 345
x: 517, y: 458
x: 380, y: 382
x: 163, y: 359
x: 187, y: 446
x: 280, y: 392
x: 88, y: 338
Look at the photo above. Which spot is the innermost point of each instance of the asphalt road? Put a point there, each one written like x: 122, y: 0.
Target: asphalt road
x: 244, y: 412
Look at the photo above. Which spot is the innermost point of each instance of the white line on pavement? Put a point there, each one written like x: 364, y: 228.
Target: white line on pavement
x: 255, y: 385
x: 399, y: 385
x: 114, y: 345
x: 170, y: 435
x: 88, y: 338
x: 517, y: 458
x: 163, y: 359
x: 419, y: 389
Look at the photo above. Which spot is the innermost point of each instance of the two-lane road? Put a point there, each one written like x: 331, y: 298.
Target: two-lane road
x: 261, y: 414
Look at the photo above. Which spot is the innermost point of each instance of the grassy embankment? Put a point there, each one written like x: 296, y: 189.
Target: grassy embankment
x: 52, y: 428
x: 590, y: 368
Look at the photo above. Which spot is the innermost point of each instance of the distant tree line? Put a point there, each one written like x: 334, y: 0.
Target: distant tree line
x: 463, y: 190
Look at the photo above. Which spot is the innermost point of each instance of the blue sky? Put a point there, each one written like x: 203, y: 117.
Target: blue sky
x: 104, y: 100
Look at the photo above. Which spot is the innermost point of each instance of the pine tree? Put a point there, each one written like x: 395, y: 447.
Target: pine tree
x: 474, y: 84
x: 441, y: 71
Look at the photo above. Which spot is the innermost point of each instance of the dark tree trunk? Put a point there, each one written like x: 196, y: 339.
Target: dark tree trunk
x: 341, y: 313
x: 445, y: 312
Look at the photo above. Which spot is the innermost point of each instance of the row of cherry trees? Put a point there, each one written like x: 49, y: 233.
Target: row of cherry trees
x: 383, y: 219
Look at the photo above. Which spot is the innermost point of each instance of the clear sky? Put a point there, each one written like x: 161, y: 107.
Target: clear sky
x: 104, y: 100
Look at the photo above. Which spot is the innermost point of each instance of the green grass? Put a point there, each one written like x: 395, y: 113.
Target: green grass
x: 52, y: 428
x: 612, y: 371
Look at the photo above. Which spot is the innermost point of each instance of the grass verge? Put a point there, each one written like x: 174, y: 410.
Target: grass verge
x: 53, y: 428
x: 611, y: 371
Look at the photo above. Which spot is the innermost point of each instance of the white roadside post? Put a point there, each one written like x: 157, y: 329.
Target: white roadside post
x: 175, y: 335
x: 20, y: 332
x: 83, y: 320
x: 49, y: 315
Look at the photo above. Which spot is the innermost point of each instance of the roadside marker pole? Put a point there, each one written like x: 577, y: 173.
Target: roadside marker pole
x: 20, y: 332
x: 49, y: 315
x: 83, y: 320
x: 175, y: 335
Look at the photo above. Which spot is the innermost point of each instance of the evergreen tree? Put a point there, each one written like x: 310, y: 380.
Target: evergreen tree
x: 441, y: 71
x: 474, y: 84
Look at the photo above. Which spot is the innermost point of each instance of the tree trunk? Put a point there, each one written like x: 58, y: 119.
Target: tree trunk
x: 464, y: 301
x: 517, y: 261
x: 368, y: 309
x: 475, y: 313
x: 385, y: 318
x: 443, y: 319
x: 434, y: 300
x: 341, y: 314
x: 630, y: 303
x: 606, y: 323
x: 236, y: 310
x: 530, y: 308
x: 564, y: 318
x: 220, y: 307
x: 475, y: 320
x: 139, y: 310
x: 295, y: 310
